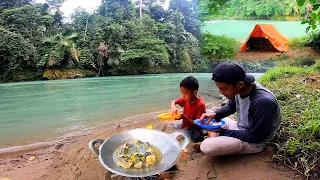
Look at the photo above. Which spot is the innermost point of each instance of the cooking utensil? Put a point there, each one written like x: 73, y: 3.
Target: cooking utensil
x: 167, y: 143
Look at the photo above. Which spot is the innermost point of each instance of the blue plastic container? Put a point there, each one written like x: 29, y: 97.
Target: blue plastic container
x: 208, y: 126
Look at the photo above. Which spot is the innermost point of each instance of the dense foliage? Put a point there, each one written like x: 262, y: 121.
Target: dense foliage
x: 16, y: 53
x: 213, y: 46
x: 113, y: 40
x: 312, y: 16
x: 256, y: 9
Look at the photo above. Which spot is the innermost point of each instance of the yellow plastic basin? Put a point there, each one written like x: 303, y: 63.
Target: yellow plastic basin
x: 168, y: 116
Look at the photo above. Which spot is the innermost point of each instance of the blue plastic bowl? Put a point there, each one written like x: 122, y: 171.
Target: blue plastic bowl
x: 209, y: 127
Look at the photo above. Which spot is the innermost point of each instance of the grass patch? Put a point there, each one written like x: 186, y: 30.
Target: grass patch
x: 298, y: 140
x: 299, y: 42
x: 303, y: 61
x: 284, y: 72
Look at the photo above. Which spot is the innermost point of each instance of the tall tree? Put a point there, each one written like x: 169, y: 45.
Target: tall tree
x: 117, y: 9
x: 17, y: 54
x: 55, y: 5
x: 28, y: 21
x: 189, y: 9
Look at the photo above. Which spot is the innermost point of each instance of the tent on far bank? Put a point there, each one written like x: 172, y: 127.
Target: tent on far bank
x: 266, y: 37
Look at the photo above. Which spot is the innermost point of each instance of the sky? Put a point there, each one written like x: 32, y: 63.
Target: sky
x: 70, y: 5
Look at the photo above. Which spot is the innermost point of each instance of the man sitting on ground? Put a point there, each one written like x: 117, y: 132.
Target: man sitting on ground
x: 258, y: 114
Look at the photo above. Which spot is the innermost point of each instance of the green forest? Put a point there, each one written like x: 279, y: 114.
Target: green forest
x: 257, y: 9
x: 36, y: 40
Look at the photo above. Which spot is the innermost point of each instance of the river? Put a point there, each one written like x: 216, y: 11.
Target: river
x: 37, y: 111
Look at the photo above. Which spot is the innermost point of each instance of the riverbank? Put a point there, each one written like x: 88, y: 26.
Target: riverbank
x: 49, y: 74
x: 76, y: 161
x: 280, y: 57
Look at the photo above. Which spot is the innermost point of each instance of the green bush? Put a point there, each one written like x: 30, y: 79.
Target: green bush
x: 315, y: 40
x: 215, y: 47
x: 258, y: 67
x: 26, y: 75
x: 16, y: 54
x: 299, y: 42
x: 284, y: 72
x: 303, y: 61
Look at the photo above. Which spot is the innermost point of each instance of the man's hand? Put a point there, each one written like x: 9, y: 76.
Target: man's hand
x: 208, y: 116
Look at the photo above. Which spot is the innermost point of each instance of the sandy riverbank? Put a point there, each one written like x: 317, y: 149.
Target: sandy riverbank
x: 74, y: 160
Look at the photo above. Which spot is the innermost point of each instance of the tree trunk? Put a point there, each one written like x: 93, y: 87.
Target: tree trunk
x: 85, y: 31
x: 101, y: 67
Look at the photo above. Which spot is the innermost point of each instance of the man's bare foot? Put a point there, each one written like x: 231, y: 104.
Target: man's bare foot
x: 212, y: 134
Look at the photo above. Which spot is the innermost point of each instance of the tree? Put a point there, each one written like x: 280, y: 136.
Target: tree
x: 157, y: 13
x: 54, y: 5
x: 189, y: 9
x: 81, y: 19
x: 214, y: 5
x: 103, y: 54
x: 154, y: 8
x: 62, y: 51
x: 150, y: 54
x: 179, y: 42
x: 29, y: 21
x: 16, y: 52
x: 117, y: 9
x: 148, y: 27
x: 313, y: 13
x: 10, y: 4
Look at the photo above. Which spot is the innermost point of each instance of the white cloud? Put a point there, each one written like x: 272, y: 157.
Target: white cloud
x: 70, y: 5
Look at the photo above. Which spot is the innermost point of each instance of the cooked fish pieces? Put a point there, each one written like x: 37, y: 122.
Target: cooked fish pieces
x: 137, y: 154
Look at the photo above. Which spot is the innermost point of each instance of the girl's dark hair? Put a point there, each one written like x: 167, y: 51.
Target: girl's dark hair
x: 190, y: 83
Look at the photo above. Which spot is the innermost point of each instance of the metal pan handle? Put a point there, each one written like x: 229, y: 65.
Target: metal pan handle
x: 185, y: 141
x: 92, y: 143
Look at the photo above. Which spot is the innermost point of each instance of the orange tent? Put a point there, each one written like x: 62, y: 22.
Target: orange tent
x: 266, y: 37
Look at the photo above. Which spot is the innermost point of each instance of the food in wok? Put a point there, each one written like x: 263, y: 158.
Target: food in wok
x: 137, y: 154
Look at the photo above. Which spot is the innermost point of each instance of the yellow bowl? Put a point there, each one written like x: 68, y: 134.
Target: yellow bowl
x: 168, y: 116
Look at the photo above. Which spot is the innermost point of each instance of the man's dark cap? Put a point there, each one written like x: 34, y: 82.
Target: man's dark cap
x: 231, y: 73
